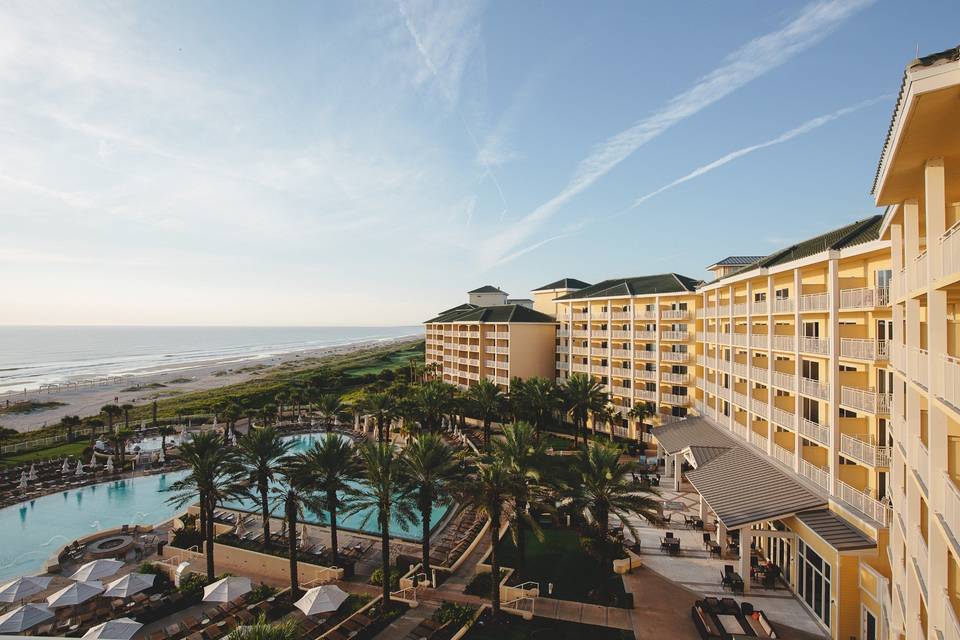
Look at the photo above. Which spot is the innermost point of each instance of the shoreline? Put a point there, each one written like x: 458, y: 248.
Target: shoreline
x: 162, y: 382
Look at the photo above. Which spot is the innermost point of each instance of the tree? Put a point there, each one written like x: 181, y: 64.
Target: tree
x: 332, y: 462
x: 259, y: 453
x: 641, y: 411
x: 582, y: 396
x: 231, y: 413
x: 71, y: 423
x: 211, y: 479
x: 430, y: 468
x: 295, y: 491
x: 331, y: 407
x: 382, y: 496
x: 126, y: 415
x: 540, y: 400
x: 487, y: 402
x: 260, y: 629
x: 383, y: 407
x: 120, y: 440
x: 153, y: 414
x: 112, y: 412
x: 431, y: 401
x: 491, y: 485
x: 526, y: 457
x: 164, y: 433
x: 605, y: 415
x: 250, y: 415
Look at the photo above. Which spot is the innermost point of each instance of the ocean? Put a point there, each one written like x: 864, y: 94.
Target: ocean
x: 33, y: 356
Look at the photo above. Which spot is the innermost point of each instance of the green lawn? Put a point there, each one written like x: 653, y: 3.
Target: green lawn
x: 72, y: 449
x: 514, y: 628
x: 560, y: 559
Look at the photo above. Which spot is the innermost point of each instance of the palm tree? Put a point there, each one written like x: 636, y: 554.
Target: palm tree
x: 430, y: 468
x: 71, y: 423
x: 641, y: 411
x: 120, y: 439
x: 112, y: 412
x: 431, y: 401
x: 541, y: 400
x: 492, y: 484
x: 164, y: 433
x: 211, y: 478
x: 126, y: 415
x: 383, y: 406
x: 330, y: 406
x: 231, y: 413
x: 250, y: 415
x: 259, y: 453
x: 295, y: 491
x: 582, y: 395
x: 487, y: 403
x: 382, y: 495
x: 260, y: 629
x: 526, y: 457
x: 333, y: 463
x: 605, y: 415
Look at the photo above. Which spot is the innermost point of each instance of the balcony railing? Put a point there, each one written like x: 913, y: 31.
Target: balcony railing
x: 501, y: 335
x: 920, y: 460
x: 599, y: 368
x: 620, y: 334
x: 644, y: 394
x: 814, y: 388
x: 739, y: 369
x: 581, y: 368
x: 784, y: 418
x: 760, y: 408
x: 785, y: 456
x: 645, y: 335
x: 759, y: 373
x: 600, y: 351
x: 620, y: 372
x: 865, y: 349
x: 758, y: 440
x: 813, y: 431
x: 493, y: 364
x: 917, y: 273
x: 675, y: 356
x: 498, y: 379
x: 819, y: 475
x: 645, y: 314
x: 783, y: 343
x: 951, y: 629
x: 620, y: 390
x: 740, y: 400
x: 563, y: 333
x: 563, y: 349
x: 863, y: 449
x: 623, y: 353
x: 620, y: 315
x: 739, y: 429
x: 864, y: 298
x: 863, y: 503
x: 676, y: 399
x: 498, y: 350
x: 676, y: 378
x: 580, y: 351
x: 643, y: 354
x: 674, y: 314
x: 786, y: 381
x: 682, y: 336
x: 643, y: 374
x: 817, y: 346
x: 738, y: 339
x: 951, y: 505
x: 783, y: 306
x: 758, y: 307
x: 710, y: 336
x: 951, y: 379
x: 917, y: 366
x: 740, y: 309
x: 950, y: 251
x: 815, y: 302
x: 723, y: 310
x: 580, y: 333
x: 922, y: 555
x: 866, y: 400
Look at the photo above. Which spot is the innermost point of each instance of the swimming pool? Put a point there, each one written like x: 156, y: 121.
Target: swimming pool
x: 30, y: 532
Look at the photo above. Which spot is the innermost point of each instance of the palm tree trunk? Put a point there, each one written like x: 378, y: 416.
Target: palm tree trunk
x: 202, y: 519
x: 425, y: 513
x: 292, y: 549
x: 521, y: 533
x: 576, y: 432
x: 209, y: 550
x: 332, y: 506
x: 385, y: 555
x: 153, y: 414
x: 494, y: 561
x: 265, y: 513
x: 486, y: 433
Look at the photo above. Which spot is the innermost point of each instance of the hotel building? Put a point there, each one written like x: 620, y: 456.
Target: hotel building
x: 635, y: 336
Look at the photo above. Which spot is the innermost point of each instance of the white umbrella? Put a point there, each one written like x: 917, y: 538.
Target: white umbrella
x: 22, y: 618
x: 93, y: 459
x: 65, y: 469
x: 23, y: 480
x: 119, y: 629
x: 226, y: 589
x: 109, y: 464
x: 23, y: 587
x: 129, y: 584
x: 33, y: 473
x: 322, y: 599
x: 161, y: 457
x: 79, y: 467
x: 75, y: 594
x: 96, y: 569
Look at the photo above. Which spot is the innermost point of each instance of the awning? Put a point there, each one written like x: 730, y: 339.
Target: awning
x: 692, y: 432
x: 700, y: 456
x: 835, y: 531
x: 742, y: 488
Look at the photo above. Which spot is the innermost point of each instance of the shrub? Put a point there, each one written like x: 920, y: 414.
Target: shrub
x: 186, y: 538
x: 480, y: 585
x: 456, y: 614
x: 162, y: 581
x: 192, y: 586
x: 377, y: 578
x: 261, y: 592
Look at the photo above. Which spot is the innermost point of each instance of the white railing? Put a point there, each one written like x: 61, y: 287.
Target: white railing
x: 760, y: 408
x: 646, y: 314
x: 643, y: 374
x: 620, y: 390
x: 724, y: 337
x: 740, y: 369
x: 710, y: 336
x: 643, y: 354
x: 600, y: 351
x: 580, y: 351
x: 783, y: 343
x: 866, y: 400
x: 473, y: 375
x: 674, y: 314
x: 623, y: 353
x: 786, y: 381
x: 600, y: 315
x: 502, y: 335
x: 818, y: 346
x: 813, y: 431
x: 864, y: 298
x: 951, y: 505
x: 863, y: 449
x: 644, y: 394
x: 580, y: 333
x: 738, y: 339
x: 784, y: 418
x: 676, y: 335
x: 723, y: 310
x: 620, y: 315
x: 740, y: 400
x: 582, y: 368
x: 815, y: 302
x: 676, y: 399
x: 950, y: 251
x: 759, y: 373
x: 864, y: 349
x: 951, y: 379
x: 579, y: 315
x: 783, y: 306
x: 620, y: 334
x: 676, y: 378
x: 563, y: 349
x: 757, y: 440
x: 819, y: 475
x: 758, y: 307
x: 785, y: 456
x: 620, y: 372
x: 864, y: 503
x: 493, y: 364
x: 922, y: 555
x: 814, y: 388
x: 952, y: 626
x: 644, y: 334
x: 563, y: 333
x: 675, y: 356
x: 711, y: 387
x: 740, y: 430
x: 759, y: 341
x: 917, y: 273
x: 475, y: 348
x: 917, y: 366
x: 740, y: 309
x: 920, y: 461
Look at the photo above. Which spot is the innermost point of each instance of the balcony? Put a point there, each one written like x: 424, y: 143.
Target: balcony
x: 599, y: 368
x: 740, y: 400
x: 866, y: 400
x: 950, y: 251
x: 758, y: 307
x: 786, y: 381
x: 865, y: 349
x: 501, y: 335
x: 674, y: 356
x: 676, y: 378
x: 758, y: 440
x: 645, y: 314
x: 563, y: 349
x: 645, y: 335
x: 816, y: 346
x: 723, y: 310
x: 814, y: 388
x: 951, y: 379
x: 813, y: 431
x: 918, y: 362
x: 600, y: 352
x: 863, y: 503
x: 864, y: 298
x: 784, y: 305
x: 740, y: 309
x: 760, y: 408
x: 759, y: 341
x: 920, y: 461
x: 624, y: 353
x: 784, y: 418
x: 921, y: 556
x: 643, y: 374
x: 580, y: 368
x: 723, y: 338
x: 493, y: 364
x: 739, y: 369
x: 710, y: 336
x: 951, y: 505
x: 783, y: 343
x: 580, y: 351
x: 676, y: 399
x: 951, y: 629
x: 620, y: 334
x: 499, y: 350
x: 681, y: 336
x: 622, y: 391
x: 815, y: 302
x: 644, y: 394
x: 621, y: 372
x: 738, y: 339
x: 739, y: 429
x: 759, y: 373
x: 819, y: 475
x: 784, y: 456
x: 580, y: 333
x: 497, y: 379
x: 917, y: 273
x: 563, y: 333
x: 862, y: 449
x: 641, y: 354
x: 579, y: 315
x: 620, y: 315
x: 674, y: 314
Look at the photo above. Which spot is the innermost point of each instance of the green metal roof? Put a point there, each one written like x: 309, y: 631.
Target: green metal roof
x: 564, y: 283
x: 498, y: 313
x: 637, y: 286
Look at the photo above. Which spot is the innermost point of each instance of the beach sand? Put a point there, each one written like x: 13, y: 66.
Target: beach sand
x: 198, y: 376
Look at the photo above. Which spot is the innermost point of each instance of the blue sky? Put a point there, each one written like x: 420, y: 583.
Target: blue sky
x: 367, y: 163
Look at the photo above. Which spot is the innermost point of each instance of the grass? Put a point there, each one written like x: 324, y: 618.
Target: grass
x: 142, y: 387
x: 179, y: 381
x: 513, y: 628
x: 72, y: 449
x: 560, y: 559
x: 28, y: 406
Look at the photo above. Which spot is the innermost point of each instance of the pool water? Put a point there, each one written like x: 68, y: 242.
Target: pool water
x: 30, y: 532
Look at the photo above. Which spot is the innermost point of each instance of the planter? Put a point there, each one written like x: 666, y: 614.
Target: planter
x: 626, y: 565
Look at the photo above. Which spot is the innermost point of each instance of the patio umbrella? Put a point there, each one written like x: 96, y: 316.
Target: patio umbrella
x: 129, y: 584
x: 119, y: 629
x: 96, y: 569
x: 93, y: 459
x: 79, y: 467
x: 65, y: 469
x: 161, y: 457
x: 23, y: 587
x: 322, y: 599
x: 226, y: 589
x: 109, y: 464
x: 33, y: 473
x: 22, y: 618
x: 23, y: 480
x: 75, y: 594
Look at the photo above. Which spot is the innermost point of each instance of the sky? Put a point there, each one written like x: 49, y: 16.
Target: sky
x: 367, y: 163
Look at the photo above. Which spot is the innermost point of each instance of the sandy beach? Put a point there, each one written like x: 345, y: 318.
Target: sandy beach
x: 143, y: 388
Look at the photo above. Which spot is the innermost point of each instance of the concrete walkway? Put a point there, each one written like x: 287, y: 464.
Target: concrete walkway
x: 405, y: 624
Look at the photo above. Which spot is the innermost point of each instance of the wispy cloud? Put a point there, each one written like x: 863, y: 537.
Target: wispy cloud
x: 754, y: 59
x: 806, y: 127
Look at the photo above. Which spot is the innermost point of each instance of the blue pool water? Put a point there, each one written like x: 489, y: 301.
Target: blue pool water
x: 32, y: 531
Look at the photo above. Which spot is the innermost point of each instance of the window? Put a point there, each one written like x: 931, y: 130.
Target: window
x: 782, y: 294
x: 813, y: 582
x: 811, y: 329
x: 883, y: 278
x: 884, y: 330
x: 760, y: 296
x: 810, y: 369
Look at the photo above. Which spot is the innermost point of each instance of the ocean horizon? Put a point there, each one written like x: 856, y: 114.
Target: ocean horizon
x: 34, y: 355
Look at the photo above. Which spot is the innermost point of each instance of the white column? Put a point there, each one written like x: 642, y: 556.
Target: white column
x: 833, y: 372
x: 935, y: 208
x: 677, y: 471
x: 746, y: 537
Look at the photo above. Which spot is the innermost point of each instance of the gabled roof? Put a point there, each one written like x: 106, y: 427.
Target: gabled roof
x: 692, y: 432
x: 487, y: 288
x: 564, y: 283
x: 460, y: 307
x: 703, y: 455
x: 849, y: 235
x: 735, y: 261
x: 835, y: 531
x: 637, y: 286
x: 497, y: 313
